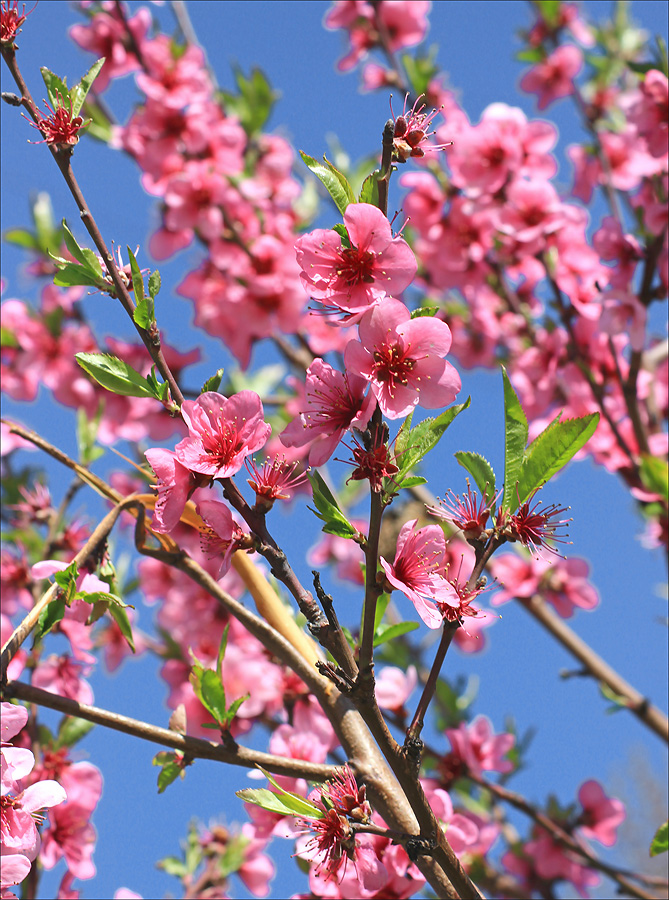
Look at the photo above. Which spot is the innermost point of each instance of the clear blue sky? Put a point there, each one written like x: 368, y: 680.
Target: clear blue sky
x: 519, y: 674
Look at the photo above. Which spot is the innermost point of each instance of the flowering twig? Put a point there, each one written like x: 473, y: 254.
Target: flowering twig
x: 150, y: 337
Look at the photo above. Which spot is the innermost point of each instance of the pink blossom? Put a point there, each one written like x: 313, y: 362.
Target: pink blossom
x: 402, y: 358
x: 257, y: 870
x: 295, y: 744
x: 461, y: 830
x: 224, y: 535
x: 415, y: 571
x: 628, y: 160
x: 551, y: 861
x: 623, y: 249
x: 479, y: 748
x: 473, y: 639
x: 354, y: 277
x: 64, y: 676
x: 106, y: 35
x: 334, y: 402
x: 623, y: 313
x: 173, y: 486
x: 601, y: 815
x: 651, y: 112
x: 561, y: 582
x: 554, y: 77
x: 72, y: 836
x: 174, y: 79
x: 221, y: 432
x: 394, y: 686
x: 345, y: 555
x: 533, y: 210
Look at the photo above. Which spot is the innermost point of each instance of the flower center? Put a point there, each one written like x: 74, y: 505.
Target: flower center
x: 356, y: 266
x: 392, y: 365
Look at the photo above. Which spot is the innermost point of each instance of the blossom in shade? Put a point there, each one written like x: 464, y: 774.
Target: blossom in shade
x: 372, y: 459
x: 402, y: 358
x: 222, y: 431
x: 554, y: 77
x: 479, y: 748
x: 416, y: 571
x: 353, y: 274
x: 174, y: 485
x: 224, y: 535
x: 334, y: 402
x: 342, y: 792
x: 601, y: 814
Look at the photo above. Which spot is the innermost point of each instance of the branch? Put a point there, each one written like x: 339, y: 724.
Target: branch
x: 191, y: 746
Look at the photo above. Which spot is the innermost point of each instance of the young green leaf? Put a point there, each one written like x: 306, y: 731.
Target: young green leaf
x: 55, y: 88
x: 213, y: 383
x: 221, y: 652
x: 169, y: 773
x: 327, y: 508
x: 551, y: 450
x: 71, y: 730
x: 369, y: 192
x: 114, y: 374
x: 660, y: 842
x: 386, y: 633
x: 515, y: 440
x: 334, y: 181
x: 212, y: 694
x: 411, y: 447
x: 154, y: 284
x: 282, y: 804
x: 120, y: 616
x: 80, y: 91
x: 480, y: 470
x: 50, y: 616
x: 66, y: 580
x: 654, y: 475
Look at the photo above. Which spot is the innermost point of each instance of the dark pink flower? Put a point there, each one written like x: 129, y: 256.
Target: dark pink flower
x: 10, y: 25
x: 355, y: 274
x: 224, y: 535
x: 62, y: 127
x: 416, y: 571
x: 106, y: 34
x: 402, y: 358
x: 467, y: 513
x: 174, y: 485
x: 274, y: 480
x: 412, y: 130
x: 334, y: 402
x: 554, y: 77
x: 538, y: 529
x: 221, y: 432
x: 601, y: 814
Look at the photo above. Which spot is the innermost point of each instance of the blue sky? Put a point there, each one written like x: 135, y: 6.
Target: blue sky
x: 519, y: 674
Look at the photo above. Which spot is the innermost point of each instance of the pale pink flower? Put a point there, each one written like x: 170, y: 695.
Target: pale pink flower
x: 334, y: 402
x: 63, y: 675
x: 294, y: 744
x: 106, y: 34
x: 479, y: 748
x: 345, y: 555
x: 72, y: 836
x: 394, y: 686
x: 554, y: 77
x: 651, y: 112
x: 552, y: 861
x: 533, y: 210
x: 415, y: 571
x: 601, y: 815
x: 222, y: 432
x: 353, y: 278
x: 402, y: 358
x: 462, y: 832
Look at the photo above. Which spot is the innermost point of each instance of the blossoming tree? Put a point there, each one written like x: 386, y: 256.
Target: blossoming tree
x: 374, y: 321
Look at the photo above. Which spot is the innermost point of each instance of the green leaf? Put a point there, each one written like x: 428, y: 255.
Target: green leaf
x: 66, y: 580
x: 99, y: 124
x: 137, y: 280
x: 159, y: 388
x: 549, y: 11
x: 660, y: 843
x: 253, y: 104
x: 169, y: 773
x: 480, y: 470
x: 21, y: 237
x: 411, y: 447
x: 423, y: 311
x: 79, y: 91
x: 50, y: 616
x: 369, y: 192
x: 655, y: 475
x: 221, y: 652
x: 55, y: 88
x: 420, y: 69
x: 551, y: 450
x: 71, y: 730
x: 172, y: 865
x: 83, y: 255
x: 340, y: 228
x: 87, y: 430
x: 413, y: 481
x: 114, y: 374
x: 233, y: 709
x: 7, y: 339
x: 284, y: 804
x: 533, y: 55
x: 233, y: 856
x: 70, y: 275
x: 212, y: 694
x: 335, y: 182
x: 389, y: 632
x: 327, y: 508
x: 154, y: 284
x: 515, y: 439
x: 120, y: 616
x: 213, y: 383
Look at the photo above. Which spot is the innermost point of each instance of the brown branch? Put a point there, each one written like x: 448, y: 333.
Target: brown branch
x: 191, y: 746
